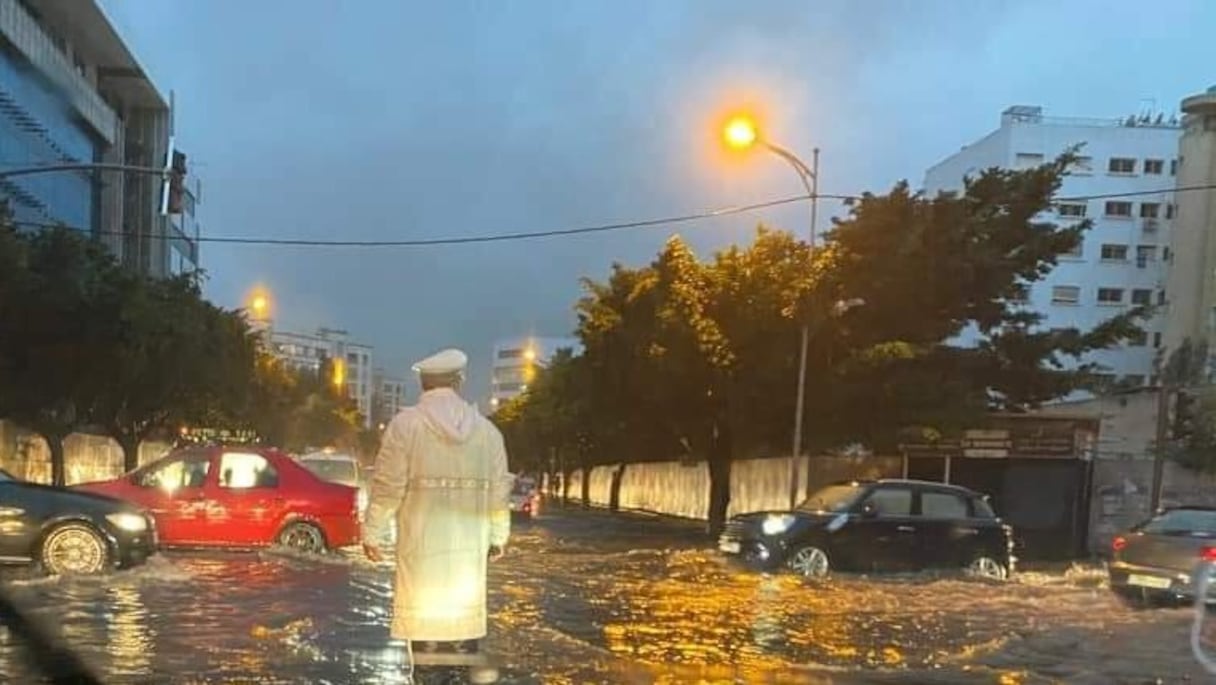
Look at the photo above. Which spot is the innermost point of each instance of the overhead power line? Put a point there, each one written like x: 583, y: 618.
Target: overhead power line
x: 552, y: 233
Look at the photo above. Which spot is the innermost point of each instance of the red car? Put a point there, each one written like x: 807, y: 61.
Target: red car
x: 239, y: 497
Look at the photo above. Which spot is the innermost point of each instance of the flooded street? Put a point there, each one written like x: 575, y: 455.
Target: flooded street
x: 593, y: 598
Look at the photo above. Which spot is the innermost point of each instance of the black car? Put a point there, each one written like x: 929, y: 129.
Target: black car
x: 885, y: 525
x: 68, y: 531
x: 1157, y: 557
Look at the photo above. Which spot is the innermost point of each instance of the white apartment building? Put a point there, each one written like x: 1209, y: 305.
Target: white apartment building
x: 389, y: 398
x: 1123, y: 261
x: 517, y: 360
x: 352, y: 362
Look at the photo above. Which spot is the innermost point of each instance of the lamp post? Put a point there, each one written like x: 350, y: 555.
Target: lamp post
x: 742, y: 133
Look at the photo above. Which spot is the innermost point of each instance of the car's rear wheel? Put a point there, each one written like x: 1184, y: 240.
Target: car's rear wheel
x: 809, y: 561
x: 74, y: 549
x: 984, y: 566
x: 302, y: 536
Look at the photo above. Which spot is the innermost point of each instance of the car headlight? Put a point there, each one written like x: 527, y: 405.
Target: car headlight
x: 125, y: 520
x: 776, y: 524
x: 361, y: 499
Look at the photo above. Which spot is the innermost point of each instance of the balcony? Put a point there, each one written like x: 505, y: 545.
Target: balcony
x: 22, y: 31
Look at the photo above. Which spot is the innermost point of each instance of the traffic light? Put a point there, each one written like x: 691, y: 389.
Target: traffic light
x: 177, y: 183
x: 1184, y: 415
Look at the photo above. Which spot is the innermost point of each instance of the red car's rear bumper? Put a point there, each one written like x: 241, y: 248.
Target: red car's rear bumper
x: 341, y: 531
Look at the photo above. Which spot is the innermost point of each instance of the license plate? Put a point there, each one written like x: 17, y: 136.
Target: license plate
x: 1148, y: 581
x: 730, y: 546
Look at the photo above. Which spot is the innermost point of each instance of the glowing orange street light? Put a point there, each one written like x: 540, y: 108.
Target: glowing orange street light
x: 530, y: 354
x: 740, y: 132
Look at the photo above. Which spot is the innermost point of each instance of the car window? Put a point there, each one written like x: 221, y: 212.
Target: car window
x: 1182, y: 521
x: 832, y: 498
x: 333, y: 470
x: 891, y: 501
x: 981, y: 509
x: 942, y: 505
x: 175, y: 474
x: 240, y: 470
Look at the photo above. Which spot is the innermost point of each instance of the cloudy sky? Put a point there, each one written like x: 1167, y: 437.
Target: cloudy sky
x: 397, y: 120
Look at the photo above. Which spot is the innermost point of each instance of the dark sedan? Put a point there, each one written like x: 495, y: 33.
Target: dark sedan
x: 1157, y: 557
x: 70, y: 532
x: 886, y: 525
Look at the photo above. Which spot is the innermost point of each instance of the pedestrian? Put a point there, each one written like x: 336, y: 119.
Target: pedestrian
x: 441, y: 476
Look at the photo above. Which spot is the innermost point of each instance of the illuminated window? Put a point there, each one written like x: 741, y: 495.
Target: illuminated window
x: 185, y: 472
x: 242, y: 470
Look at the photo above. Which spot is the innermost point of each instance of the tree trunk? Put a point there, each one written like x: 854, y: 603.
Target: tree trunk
x: 721, y: 453
x: 59, y: 469
x: 129, y: 443
x: 586, y: 487
x: 614, y: 495
x: 566, y: 487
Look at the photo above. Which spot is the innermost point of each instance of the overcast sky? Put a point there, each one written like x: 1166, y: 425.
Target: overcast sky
x: 394, y: 119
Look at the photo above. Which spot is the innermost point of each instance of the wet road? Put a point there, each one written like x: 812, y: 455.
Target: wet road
x: 593, y: 598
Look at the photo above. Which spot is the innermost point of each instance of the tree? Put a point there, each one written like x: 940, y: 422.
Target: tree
x: 59, y: 327
x: 299, y: 409
x: 183, y: 361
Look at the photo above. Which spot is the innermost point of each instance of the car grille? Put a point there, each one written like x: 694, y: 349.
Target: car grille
x: 734, y: 530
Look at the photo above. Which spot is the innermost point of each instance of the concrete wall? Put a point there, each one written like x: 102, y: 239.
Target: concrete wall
x: 1127, y: 422
x: 682, y: 489
x: 87, y: 457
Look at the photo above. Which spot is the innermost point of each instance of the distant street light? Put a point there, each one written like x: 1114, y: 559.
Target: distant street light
x: 742, y: 133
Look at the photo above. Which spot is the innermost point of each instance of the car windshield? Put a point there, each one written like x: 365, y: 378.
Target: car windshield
x: 832, y: 498
x: 334, y: 470
x: 1182, y: 522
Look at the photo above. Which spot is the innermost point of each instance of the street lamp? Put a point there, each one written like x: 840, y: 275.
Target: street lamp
x: 742, y: 133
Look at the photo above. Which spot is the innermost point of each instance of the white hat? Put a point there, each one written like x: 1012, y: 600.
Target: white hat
x: 445, y: 362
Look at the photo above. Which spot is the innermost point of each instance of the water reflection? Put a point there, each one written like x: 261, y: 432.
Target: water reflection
x: 581, y: 600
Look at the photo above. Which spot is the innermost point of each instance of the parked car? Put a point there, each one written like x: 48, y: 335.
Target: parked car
x: 69, y: 532
x: 336, y: 467
x: 1156, y: 558
x: 239, y: 497
x: 525, y: 498
x: 885, y: 525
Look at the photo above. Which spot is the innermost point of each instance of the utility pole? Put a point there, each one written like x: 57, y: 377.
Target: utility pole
x: 1163, y: 423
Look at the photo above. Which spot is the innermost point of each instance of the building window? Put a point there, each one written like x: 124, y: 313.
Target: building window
x: 1065, y: 294
x: 1114, y: 253
x: 510, y: 354
x: 1083, y: 165
x: 1145, y: 254
x: 1027, y: 160
x: 1169, y: 211
x: 1122, y: 165
x: 1154, y: 166
x: 1110, y: 295
x: 1157, y: 339
x: 1161, y: 298
x: 1119, y: 208
x: 1150, y: 210
x: 1071, y: 209
x: 1165, y: 254
x: 1138, y: 339
x: 1142, y: 296
x: 1173, y: 167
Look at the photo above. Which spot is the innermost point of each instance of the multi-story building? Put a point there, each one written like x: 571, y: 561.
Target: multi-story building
x: 72, y: 93
x: 1123, y: 260
x: 350, y: 362
x: 389, y: 398
x: 516, y: 362
x: 1192, y: 289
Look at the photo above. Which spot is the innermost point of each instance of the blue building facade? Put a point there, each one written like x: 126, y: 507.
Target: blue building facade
x: 39, y: 126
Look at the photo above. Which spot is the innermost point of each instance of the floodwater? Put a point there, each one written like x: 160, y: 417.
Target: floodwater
x: 593, y: 598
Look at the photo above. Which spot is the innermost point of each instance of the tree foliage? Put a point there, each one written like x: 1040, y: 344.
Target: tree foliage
x: 690, y: 355
x: 86, y: 345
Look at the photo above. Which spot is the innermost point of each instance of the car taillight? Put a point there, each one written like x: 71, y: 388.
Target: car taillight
x: 1208, y: 554
x: 1118, y: 543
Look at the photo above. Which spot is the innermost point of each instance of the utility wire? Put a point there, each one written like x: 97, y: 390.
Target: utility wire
x: 530, y: 235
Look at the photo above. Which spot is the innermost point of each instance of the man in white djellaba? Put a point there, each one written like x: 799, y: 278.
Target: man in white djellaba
x: 441, y: 476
